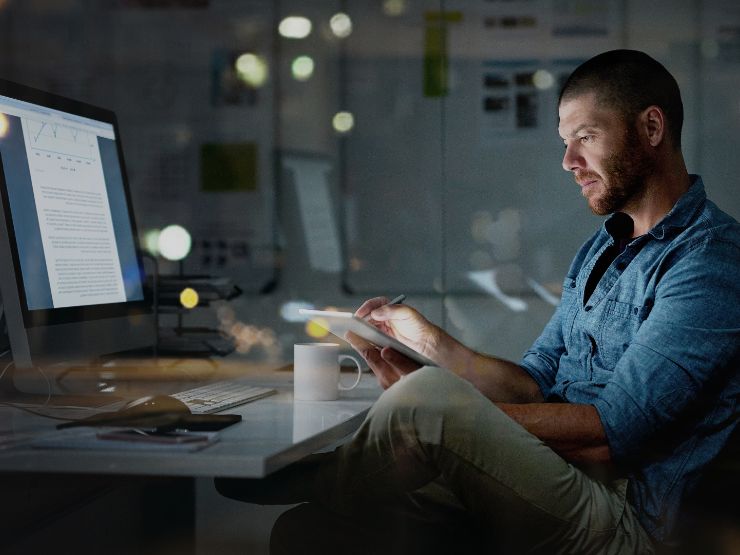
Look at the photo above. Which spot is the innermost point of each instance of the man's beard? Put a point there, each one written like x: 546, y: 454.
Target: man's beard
x: 625, y: 174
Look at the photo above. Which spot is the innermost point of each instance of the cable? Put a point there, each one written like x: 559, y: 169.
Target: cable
x: 46, y: 402
x: 48, y: 386
x: 26, y: 409
x: 46, y: 378
x: 5, y: 369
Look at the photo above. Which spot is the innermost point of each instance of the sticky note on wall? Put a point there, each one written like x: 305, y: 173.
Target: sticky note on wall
x: 436, y: 62
x: 228, y: 167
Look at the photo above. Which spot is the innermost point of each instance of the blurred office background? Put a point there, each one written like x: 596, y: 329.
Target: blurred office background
x: 320, y: 152
x: 323, y: 152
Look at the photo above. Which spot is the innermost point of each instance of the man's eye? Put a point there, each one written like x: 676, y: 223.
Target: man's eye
x: 586, y: 139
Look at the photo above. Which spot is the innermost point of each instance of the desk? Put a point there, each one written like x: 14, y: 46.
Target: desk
x: 275, y: 431
x: 90, y: 501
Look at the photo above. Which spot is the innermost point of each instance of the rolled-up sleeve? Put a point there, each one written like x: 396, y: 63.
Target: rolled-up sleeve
x: 541, y: 360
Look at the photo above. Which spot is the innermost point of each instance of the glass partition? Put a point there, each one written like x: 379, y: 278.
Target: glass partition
x: 323, y: 152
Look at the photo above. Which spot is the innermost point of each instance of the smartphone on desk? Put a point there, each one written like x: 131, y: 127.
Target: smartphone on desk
x: 168, y: 438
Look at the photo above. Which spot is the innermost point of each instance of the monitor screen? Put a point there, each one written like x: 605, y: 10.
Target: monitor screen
x: 68, y: 223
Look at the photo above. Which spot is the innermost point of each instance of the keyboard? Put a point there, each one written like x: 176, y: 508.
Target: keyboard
x: 218, y: 396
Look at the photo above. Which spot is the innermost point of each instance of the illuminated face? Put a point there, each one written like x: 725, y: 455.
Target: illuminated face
x: 605, y: 155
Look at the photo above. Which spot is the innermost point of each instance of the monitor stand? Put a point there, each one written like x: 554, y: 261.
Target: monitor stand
x: 31, y: 386
x: 4, y: 339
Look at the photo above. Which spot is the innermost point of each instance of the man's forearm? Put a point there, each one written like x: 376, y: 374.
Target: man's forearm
x: 498, y: 379
x: 574, y: 431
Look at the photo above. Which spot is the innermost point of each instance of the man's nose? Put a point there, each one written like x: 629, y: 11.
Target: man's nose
x: 572, y: 160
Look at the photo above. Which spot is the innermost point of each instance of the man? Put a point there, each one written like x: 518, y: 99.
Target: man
x: 591, y: 441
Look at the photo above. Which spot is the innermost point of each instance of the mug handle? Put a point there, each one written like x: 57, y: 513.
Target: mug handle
x: 359, y: 373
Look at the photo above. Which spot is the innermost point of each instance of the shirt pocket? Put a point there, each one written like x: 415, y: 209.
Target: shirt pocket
x: 621, y: 323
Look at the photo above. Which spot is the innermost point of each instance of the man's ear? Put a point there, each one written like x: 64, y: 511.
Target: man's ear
x: 652, y: 120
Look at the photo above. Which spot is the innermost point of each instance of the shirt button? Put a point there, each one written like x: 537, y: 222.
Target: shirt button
x: 588, y: 308
x: 635, y: 310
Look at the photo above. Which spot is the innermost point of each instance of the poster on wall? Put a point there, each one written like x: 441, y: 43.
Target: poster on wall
x: 525, y: 27
x: 536, y: 43
x: 510, y: 97
x: 530, y: 28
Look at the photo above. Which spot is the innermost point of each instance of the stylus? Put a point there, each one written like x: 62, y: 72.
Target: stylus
x: 398, y: 300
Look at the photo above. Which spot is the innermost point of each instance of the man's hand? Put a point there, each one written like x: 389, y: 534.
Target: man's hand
x: 403, y: 323
x: 498, y: 379
x: 387, y: 364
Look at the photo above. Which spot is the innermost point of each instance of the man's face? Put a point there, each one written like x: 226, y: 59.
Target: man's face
x: 604, y: 153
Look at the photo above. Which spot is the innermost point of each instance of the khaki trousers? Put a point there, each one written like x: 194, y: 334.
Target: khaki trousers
x: 435, y: 448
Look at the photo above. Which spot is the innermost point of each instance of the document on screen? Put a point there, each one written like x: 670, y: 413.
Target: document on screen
x: 74, y: 214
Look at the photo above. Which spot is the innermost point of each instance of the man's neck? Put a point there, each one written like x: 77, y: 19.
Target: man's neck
x: 662, y: 190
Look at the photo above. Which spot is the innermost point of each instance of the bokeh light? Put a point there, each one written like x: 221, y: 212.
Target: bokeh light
x: 317, y: 328
x: 248, y: 337
x: 174, y: 242
x: 150, y: 241
x: 302, y: 68
x: 295, y: 27
x: 189, y: 298
x: 341, y: 25
x: 252, y: 69
x: 543, y: 79
x: 394, y: 8
x: 343, y: 122
x: 290, y: 311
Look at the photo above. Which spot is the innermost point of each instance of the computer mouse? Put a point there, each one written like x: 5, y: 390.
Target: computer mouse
x: 156, y: 404
x: 155, y: 411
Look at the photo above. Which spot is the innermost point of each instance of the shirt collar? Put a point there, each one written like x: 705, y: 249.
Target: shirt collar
x: 620, y: 226
x: 679, y: 216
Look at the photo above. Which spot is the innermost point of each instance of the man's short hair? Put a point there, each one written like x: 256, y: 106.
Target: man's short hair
x: 629, y: 81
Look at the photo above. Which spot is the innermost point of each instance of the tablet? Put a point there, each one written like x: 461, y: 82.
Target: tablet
x: 339, y: 323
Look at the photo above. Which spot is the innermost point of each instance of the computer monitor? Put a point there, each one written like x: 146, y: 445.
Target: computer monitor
x: 71, y: 278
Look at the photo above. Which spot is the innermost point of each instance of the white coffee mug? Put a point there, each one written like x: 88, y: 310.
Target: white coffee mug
x: 316, y: 371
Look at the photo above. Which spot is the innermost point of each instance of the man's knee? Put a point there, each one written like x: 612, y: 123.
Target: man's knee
x: 421, y: 404
x: 428, y: 389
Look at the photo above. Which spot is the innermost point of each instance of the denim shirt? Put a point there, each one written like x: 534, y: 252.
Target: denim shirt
x: 655, y: 349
